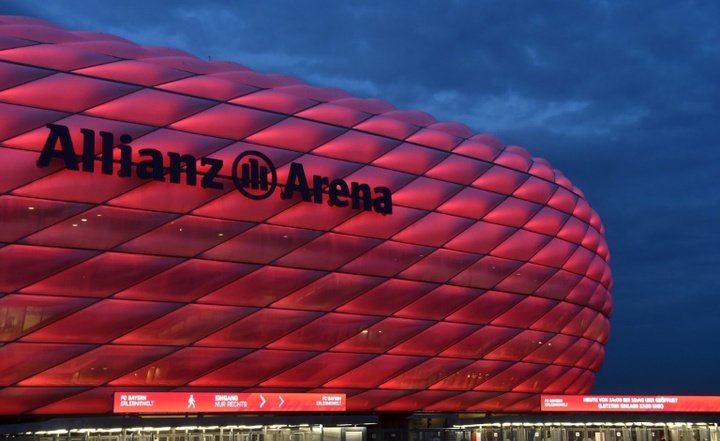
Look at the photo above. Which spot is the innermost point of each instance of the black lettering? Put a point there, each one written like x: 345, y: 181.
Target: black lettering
x: 66, y: 152
x: 151, y: 168
x: 88, y: 155
x: 125, y: 156
x: 208, y: 181
x: 296, y: 182
x: 383, y: 203
x: 319, y: 184
x: 108, y: 144
x: 176, y: 168
x: 361, y: 192
x: 338, y: 190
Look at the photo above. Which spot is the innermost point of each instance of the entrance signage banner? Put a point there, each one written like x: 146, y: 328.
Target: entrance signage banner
x: 629, y: 403
x: 196, y: 402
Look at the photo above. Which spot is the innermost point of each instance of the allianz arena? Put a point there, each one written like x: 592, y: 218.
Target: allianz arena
x: 175, y: 224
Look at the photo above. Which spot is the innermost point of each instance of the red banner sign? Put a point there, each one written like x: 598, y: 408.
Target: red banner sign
x: 629, y: 403
x: 195, y: 402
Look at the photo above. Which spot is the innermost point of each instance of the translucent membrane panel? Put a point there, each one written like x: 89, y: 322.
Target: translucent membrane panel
x: 504, y: 401
x: 187, y: 281
x: 274, y: 101
x: 98, y: 366
x: 488, y: 272
x: 434, y: 138
x: 500, y: 180
x: 372, y: 399
x: 208, y: 87
x: 22, y: 314
x: 100, y: 228
x: 439, y: 266
x: 511, y: 377
x: 525, y: 313
x: 549, y: 351
x: 522, y: 245
x: 134, y: 71
x: 103, y: 275
x: 166, y: 108
x: 560, y: 384
x: 387, y: 298
x: 356, y: 146
x: 410, y: 158
x: 574, y: 353
x: 16, y: 400
x: 20, y: 119
x: 22, y: 216
x: 25, y: 264
x: 425, y: 193
x: 486, y: 307
x: 12, y: 74
x: 296, y: 134
x: 383, y: 335
x: 19, y: 169
x: 374, y: 372
x: 526, y: 279
x: 434, y: 339
x: 418, y: 400
x: 325, y: 332
x: 95, y: 400
x: 481, y: 342
x: 263, y: 286
x: 459, y: 169
x: 35, y: 139
x: 227, y: 121
x: 371, y: 224
x: 261, y: 244
x: 557, y: 318
x: 426, y: 374
x: 185, y: 325
x: 439, y: 302
x: 392, y: 127
x: 541, y: 380
x: 460, y: 401
x: 434, y: 229
x: 512, y: 212
x: 180, y: 367
x: 387, y: 259
x: 555, y: 253
x: 547, y: 221
x: 471, y: 376
x: 328, y: 252
x: 20, y: 360
x: 55, y: 56
x: 520, y: 345
x: 253, y: 368
x: 317, y: 370
x: 536, y: 190
x: 480, y: 238
x: 328, y: 292
x: 563, y: 284
x: 259, y: 329
x: 101, y: 322
x: 313, y: 216
x: 334, y: 114
x: 186, y: 236
x: 51, y: 92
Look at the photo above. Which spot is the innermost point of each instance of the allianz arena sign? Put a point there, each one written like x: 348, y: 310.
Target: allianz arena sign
x: 256, y: 178
x: 180, y: 229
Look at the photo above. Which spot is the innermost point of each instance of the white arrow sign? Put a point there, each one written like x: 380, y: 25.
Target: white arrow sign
x: 281, y: 401
x: 262, y: 401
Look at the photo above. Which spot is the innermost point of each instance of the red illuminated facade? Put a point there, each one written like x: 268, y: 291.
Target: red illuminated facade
x: 422, y: 267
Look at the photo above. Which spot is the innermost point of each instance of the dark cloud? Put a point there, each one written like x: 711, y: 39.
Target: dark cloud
x: 621, y: 96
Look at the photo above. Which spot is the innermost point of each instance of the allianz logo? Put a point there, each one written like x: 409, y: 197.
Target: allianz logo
x: 253, y: 173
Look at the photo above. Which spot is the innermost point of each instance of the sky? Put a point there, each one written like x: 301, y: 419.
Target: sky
x: 623, y: 97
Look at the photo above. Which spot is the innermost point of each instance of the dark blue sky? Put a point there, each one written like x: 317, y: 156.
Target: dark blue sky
x: 623, y: 97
